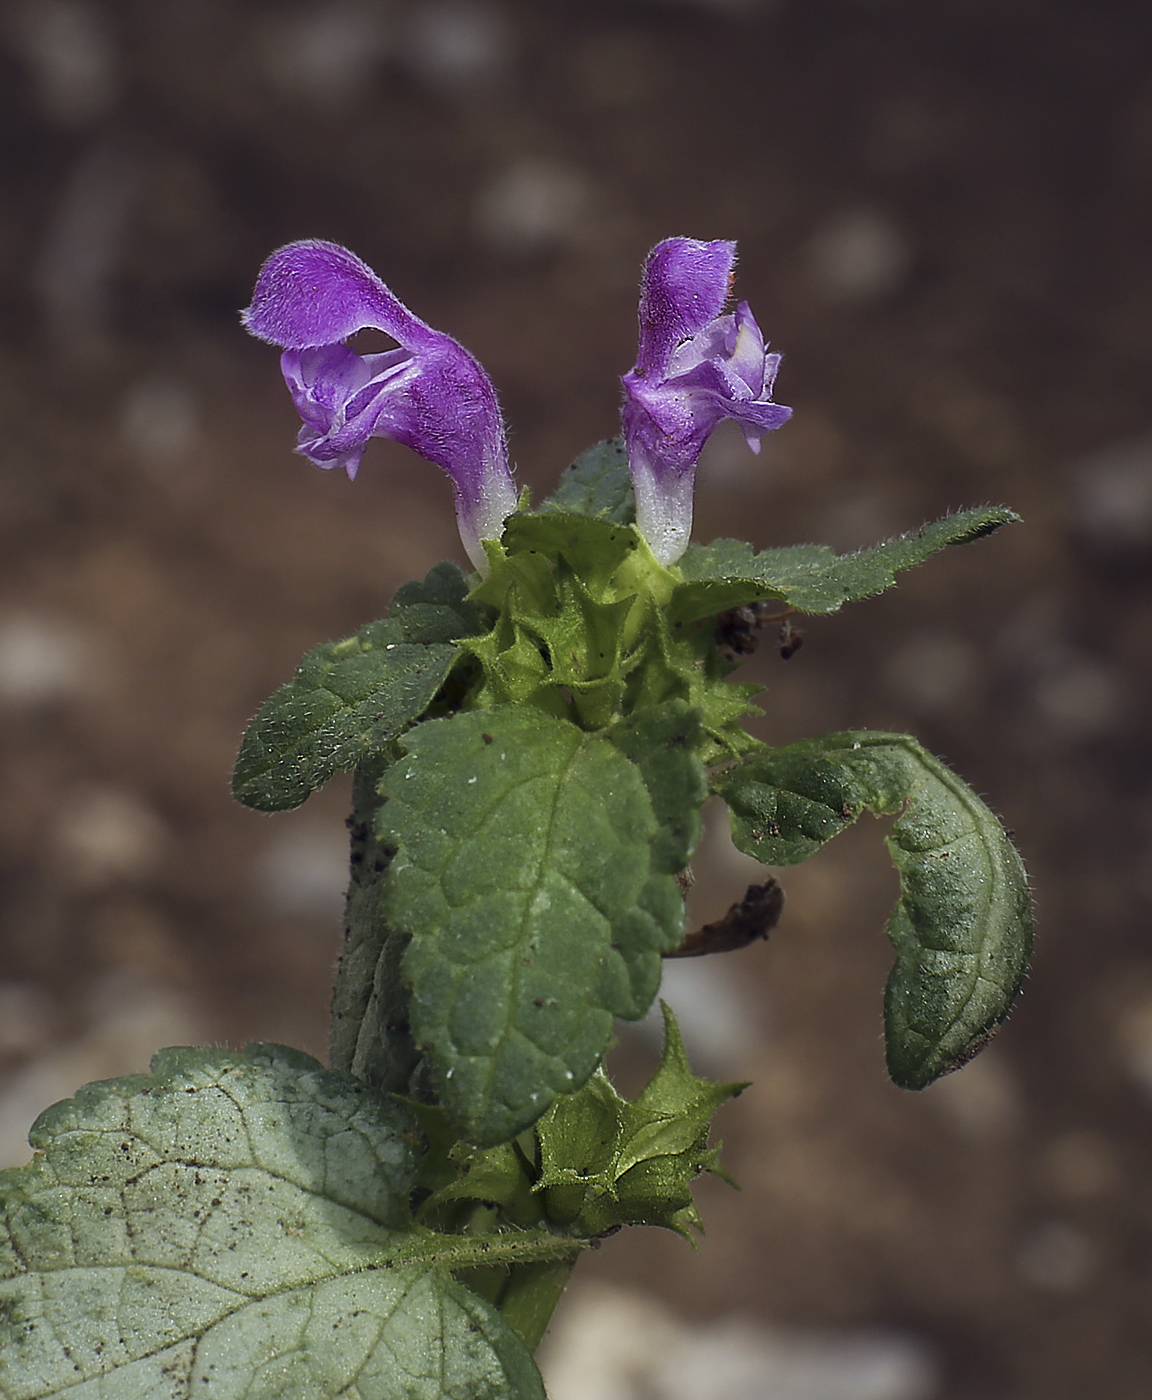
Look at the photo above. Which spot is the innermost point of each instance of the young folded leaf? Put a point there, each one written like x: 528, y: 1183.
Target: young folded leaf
x: 237, y: 1225
x: 962, y: 928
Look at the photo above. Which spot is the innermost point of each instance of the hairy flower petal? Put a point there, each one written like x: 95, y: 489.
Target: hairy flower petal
x: 694, y: 368
x: 429, y: 394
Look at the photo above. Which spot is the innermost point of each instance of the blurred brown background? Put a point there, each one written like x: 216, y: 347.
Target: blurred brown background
x: 944, y: 215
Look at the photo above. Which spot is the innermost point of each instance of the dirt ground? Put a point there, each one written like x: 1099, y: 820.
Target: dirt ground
x: 944, y: 215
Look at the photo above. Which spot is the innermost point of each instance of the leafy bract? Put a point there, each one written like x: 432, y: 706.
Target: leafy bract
x: 811, y: 577
x: 962, y: 928
x: 597, y: 483
x: 534, y: 880
x: 596, y: 1160
x: 236, y: 1225
x: 608, y: 1161
x: 356, y: 695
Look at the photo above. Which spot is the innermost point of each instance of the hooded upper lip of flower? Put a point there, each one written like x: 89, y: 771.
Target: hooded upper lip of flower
x: 429, y: 394
x: 694, y: 368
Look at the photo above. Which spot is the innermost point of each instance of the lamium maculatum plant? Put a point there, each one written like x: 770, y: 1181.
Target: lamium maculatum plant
x: 530, y: 742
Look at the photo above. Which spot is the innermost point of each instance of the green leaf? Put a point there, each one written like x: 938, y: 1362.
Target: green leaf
x: 605, y: 1161
x: 811, y: 577
x: 597, y: 483
x: 664, y: 742
x: 350, y: 697
x: 236, y: 1225
x: 962, y: 928
x: 527, y: 872
x: 437, y: 608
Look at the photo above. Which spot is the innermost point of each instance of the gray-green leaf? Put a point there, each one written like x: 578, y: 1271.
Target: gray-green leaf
x: 811, y: 577
x: 530, y: 874
x: 962, y: 928
x: 235, y: 1225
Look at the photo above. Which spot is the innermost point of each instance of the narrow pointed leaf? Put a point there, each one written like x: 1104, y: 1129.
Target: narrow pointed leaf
x: 962, y: 928
x: 812, y: 577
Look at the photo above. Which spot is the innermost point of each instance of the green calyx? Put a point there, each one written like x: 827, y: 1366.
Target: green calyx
x: 583, y: 630
x: 594, y: 1162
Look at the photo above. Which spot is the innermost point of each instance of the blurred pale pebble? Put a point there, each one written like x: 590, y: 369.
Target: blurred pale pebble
x: 27, y: 1015
x: 982, y: 1101
x: 859, y: 255
x: 326, y: 53
x: 1134, y: 1041
x: 304, y: 871
x: 1112, y: 494
x: 41, y: 659
x: 533, y: 206
x: 67, y: 45
x: 131, y: 1020
x: 721, y: 1029
x: 934, y: 670
x: 105, y: 834
x: 1079, y: 695
x: 458, y: 43
x: 1056, y: 1257
x: 613, y: 1344
x: 159, y: 422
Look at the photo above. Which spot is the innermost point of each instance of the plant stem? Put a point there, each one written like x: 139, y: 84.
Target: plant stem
x: 370, y: 1036
x: 530, y: 1296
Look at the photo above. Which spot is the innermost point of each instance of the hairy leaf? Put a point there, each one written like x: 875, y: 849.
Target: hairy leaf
x: 437, y: 608
x: 525, y: 874
x: 356, y: 695
x: 664, y: 741
x: 597, y: 483
x: 236, y: 1225
x: 962, y: 928
x: 811, y: 577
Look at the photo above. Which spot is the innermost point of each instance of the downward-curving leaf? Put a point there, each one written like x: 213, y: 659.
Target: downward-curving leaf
x: 811, y: 577
x: 962, y: 928
x: 525, y: 875
x: 236, y: 1226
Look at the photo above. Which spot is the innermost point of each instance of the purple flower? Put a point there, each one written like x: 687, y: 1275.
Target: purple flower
x: 429, y: 394
x: 694, y: 368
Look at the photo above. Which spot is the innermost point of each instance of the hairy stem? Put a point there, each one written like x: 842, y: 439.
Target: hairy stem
x: 370, y: 1035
